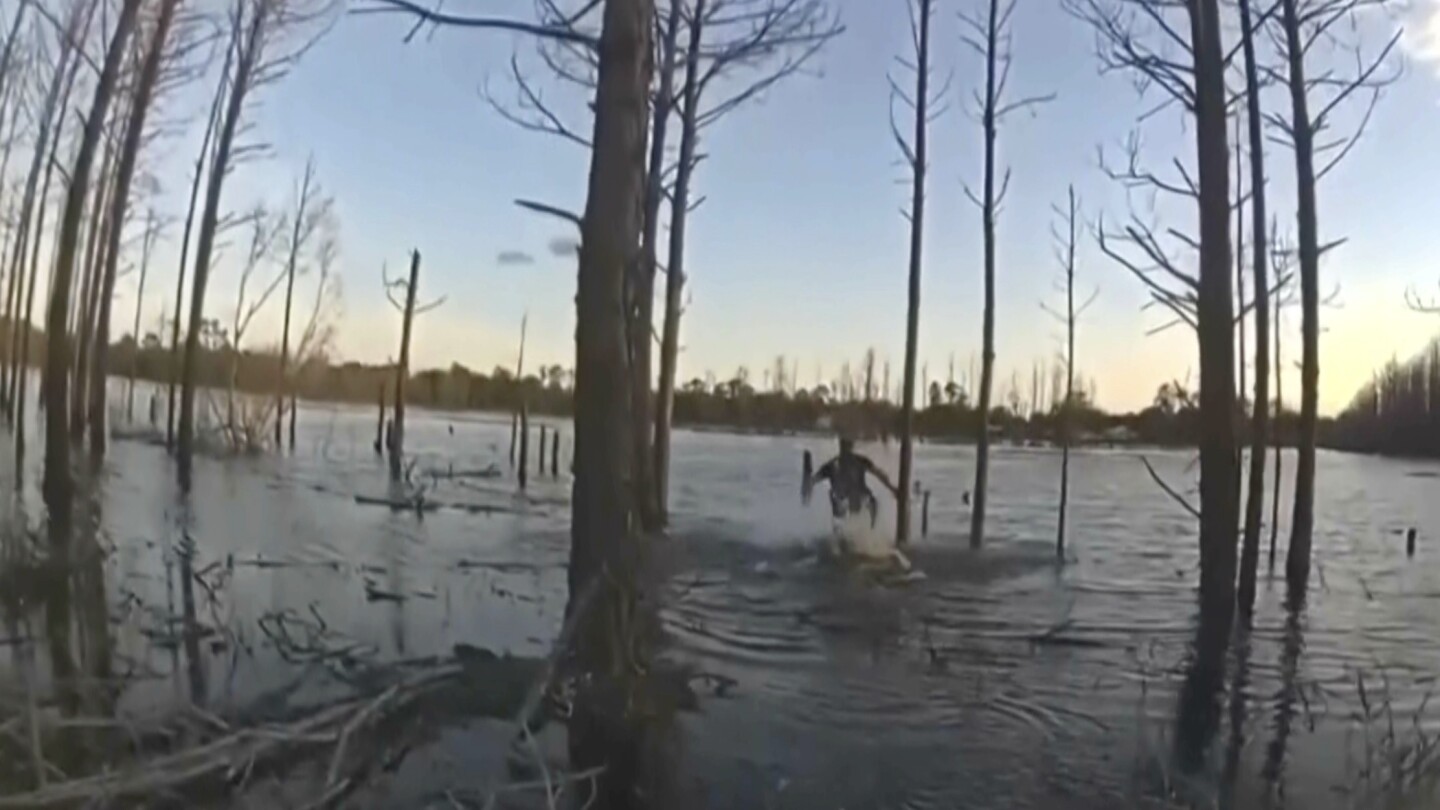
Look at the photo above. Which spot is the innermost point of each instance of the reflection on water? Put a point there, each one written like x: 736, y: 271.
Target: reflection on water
x: 999, y: 679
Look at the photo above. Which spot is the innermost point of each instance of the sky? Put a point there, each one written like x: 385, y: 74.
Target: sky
x: 800, y: 248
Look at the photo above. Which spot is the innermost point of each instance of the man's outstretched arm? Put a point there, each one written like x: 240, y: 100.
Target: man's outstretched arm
x: 882, y: 477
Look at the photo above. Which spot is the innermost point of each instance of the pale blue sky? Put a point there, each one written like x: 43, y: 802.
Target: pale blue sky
x: 800, y: 249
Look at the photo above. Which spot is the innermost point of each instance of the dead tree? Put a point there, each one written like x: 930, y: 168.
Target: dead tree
x: 19, y: 381
x: 152, y: 232
x: 11, y: 101
x: 409, y: 310
x: 1303, y: 25
x: 45, y: 138
x: 305, y: 224
x: 1259, y: 271
x: 519, y: 389
x: 1066, y: 254
x: 380, y: 422
x: 244, y: 429
x: 258, y: 30
x: 991, y: 39
x: 604, y: 553
x: 1280, y: 256
x: 924, y: 105
x: 212, y: 123
x: 58, y: 485
x: 93, y: 268
x: 755, y: 41
x: 1144, y: 39
x: 119, y: 206
x: 319, y: 331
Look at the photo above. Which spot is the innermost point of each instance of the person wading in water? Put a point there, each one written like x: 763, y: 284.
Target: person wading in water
x: 849, y: 491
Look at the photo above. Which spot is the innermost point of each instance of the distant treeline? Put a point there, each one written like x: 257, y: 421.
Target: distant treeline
x: 1397, y: 412
x: 946, y: 414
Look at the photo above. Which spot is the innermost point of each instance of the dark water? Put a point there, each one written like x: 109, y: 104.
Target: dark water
x: 999, y: 680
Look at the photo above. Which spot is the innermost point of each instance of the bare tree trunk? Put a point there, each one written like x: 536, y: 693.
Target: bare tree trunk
x: 23, y: 382
x: 249, y: 37
x: 8, y: 313
x: 601, y: 524
x: 1259, y: 420
x: 294, y: 406
x: 295, y: 245
x: 987, y: 355
x: 1302, y: 520
x: 1068, y: 406
x: 210, y: 126
x: 675, y: 266
x: 917, y: 157
x: 647, y: 496
x: 20, y: 382
x: 1279, y: 438
x: 1219, y: 495
x: 605, y: 556
x: 17, y: 362
x: 58, y: 485
x: 380, y: 423
x: 402, y: 370
x: 524, y: 446
x: 147, y: 245
x: 119, y: 206
x: 94, y: 283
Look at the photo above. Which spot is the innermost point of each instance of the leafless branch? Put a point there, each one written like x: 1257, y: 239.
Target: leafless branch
x: 1175, y: 496
x: 551, y: 210
x: 565, y: 33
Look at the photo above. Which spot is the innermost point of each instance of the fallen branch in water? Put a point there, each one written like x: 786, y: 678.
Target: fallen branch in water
x: 1177, y: 497
x: 234, y: 755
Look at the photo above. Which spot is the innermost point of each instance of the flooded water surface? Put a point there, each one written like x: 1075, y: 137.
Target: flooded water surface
x: 999, y: 678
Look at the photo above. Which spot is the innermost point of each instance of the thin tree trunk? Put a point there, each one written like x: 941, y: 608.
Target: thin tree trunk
x: 1259, y: 271
x: 1302, y: 520
x: 289, y: 296
x: 94, y: 283
x: 524, y: 446
x: 23, y: 383
x: 7, y: 313
x: 58, y: 485
x: 918, y: 168
x: 1279, y: 437
x: 675, y: 266
x: 1219, y: 495
x: 252, y: 35
x: 119, y: 206
x: 20, y: 381
x: 139, y: 301
x: 1240, y: 272
x: 1067, y: 407
x: 17, y: 362
x: 380, y: 423
x: 174, y: 370
x: 987, y: 355
x: 402, y: 370
x: 647, y: 496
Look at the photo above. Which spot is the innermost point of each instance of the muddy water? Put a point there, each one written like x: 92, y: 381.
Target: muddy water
x: 1000, y: 679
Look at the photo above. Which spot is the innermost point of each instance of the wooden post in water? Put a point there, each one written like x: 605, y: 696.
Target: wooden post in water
x: 540, y: 456
x: 380, y: 423
x: 524, y: 444
x: 807, y: 471
x: 554, y: 454
x: 1410, y: 542
x: 925, y: 515
x: 514, y: 426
